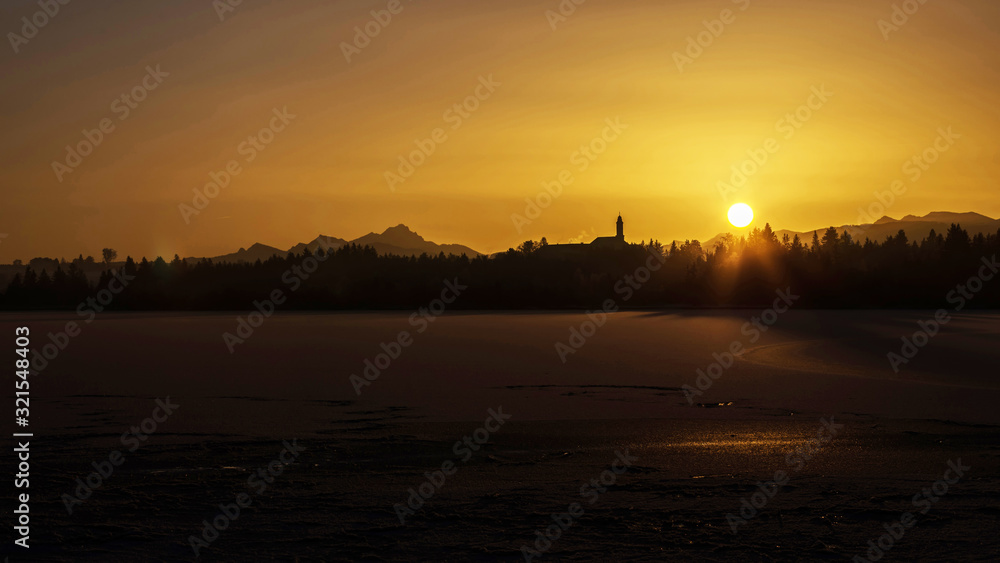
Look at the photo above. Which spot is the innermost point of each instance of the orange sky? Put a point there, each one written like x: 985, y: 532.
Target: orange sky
x: 325, y: 171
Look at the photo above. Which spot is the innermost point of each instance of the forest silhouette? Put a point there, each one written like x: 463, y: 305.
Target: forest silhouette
x: 830, y: 271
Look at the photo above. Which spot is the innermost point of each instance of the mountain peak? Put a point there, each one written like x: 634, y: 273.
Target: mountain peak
x: 400, y: 230
x: 887, y: 219
x: 402, y: 241
x: 399, y: 236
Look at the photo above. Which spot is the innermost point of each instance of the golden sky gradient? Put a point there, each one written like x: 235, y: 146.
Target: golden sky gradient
x: 325, y: 171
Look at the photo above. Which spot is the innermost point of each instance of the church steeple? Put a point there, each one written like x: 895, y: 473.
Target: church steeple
x: 621, y: 227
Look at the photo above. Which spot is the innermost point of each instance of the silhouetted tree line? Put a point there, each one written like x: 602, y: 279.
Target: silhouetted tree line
x: 829, y: 271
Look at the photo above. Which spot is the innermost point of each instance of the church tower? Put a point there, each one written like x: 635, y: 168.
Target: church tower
x: 621, y: 227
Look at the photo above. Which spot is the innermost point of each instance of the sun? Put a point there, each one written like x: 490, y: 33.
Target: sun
x: 740, y: 215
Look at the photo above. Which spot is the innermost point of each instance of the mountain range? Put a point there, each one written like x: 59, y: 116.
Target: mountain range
x: 398, y: 240
x: 402, y: 241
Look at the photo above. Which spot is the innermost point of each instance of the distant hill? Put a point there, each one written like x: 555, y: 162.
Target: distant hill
x: 916, y: 228
x: 398, y: 240
x: 327, y: 242
x: 256, y: 252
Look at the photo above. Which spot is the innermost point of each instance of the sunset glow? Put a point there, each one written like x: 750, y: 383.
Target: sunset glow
x: 809, y: 108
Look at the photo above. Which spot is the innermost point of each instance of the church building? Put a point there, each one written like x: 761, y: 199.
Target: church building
x: 580, y: 250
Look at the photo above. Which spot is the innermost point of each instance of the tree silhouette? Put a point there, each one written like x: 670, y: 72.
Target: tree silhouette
x: 835, y: 271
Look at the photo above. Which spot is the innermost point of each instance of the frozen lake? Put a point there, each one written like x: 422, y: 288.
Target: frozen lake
x: 633, y: 366
x: 621, y: 388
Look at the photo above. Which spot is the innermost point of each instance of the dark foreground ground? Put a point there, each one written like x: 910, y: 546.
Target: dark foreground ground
x: 336, y: 502
x: 619, y: 397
